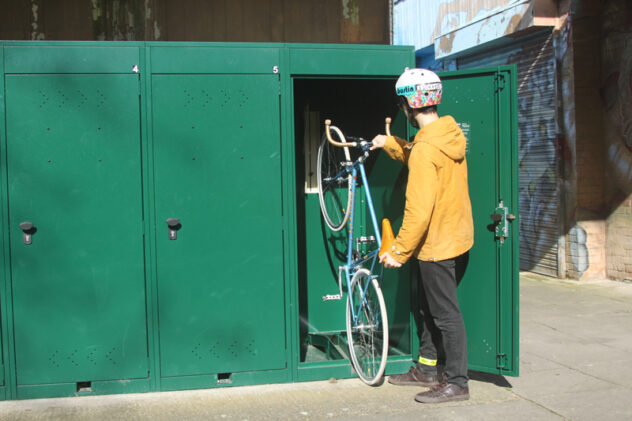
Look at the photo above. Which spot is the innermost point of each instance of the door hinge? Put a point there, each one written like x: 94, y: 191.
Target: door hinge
x: 501, y: 360
x: 500, y: 82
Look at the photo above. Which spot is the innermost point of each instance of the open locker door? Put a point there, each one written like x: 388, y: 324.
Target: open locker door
x: 483, y: 104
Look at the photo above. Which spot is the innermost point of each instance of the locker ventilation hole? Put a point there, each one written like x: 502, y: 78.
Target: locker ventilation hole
x: 207, y: 98
x: 92, y: 356
x: 84, y: 387
x: 224, y: 378
x: 226, y: 97
x: 213, y: 350
x: 100, y: 99
x: 83, y: 98
x: 233, y: 349
x: 109, y: 355
x: 251, y: 348
x: 244, y: 99
x: 72, y: 358
x: 195, y: 351
x: 62, y: 98
x: 44, y: 99
x: 187, y: 98
x: 53, y: 359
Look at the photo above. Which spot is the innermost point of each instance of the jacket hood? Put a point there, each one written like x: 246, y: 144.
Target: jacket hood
x: 445, y: 135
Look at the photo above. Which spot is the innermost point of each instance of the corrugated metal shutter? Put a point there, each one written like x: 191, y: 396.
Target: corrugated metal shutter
x: 540, y: 203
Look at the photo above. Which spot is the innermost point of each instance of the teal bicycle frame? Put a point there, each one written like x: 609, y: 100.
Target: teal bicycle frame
x: 352, y: 264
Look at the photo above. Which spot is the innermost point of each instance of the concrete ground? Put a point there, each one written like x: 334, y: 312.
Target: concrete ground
x: 575, y: 363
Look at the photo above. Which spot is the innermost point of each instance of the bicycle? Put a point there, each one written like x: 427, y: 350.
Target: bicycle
x: 366, y: 319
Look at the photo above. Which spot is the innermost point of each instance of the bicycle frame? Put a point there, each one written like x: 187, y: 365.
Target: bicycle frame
x: 353, y: 264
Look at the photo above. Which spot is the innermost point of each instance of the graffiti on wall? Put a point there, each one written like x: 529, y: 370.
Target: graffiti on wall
x: 538, y: 174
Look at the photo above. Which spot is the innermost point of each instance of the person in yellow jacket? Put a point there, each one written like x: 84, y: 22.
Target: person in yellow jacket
x: 437, y: 231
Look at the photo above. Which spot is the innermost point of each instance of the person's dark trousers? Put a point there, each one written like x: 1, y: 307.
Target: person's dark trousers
x: 442, y: 319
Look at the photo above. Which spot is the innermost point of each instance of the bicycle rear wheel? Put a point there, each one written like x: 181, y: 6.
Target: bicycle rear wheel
x: 367, y: 334
x: 334, y: 184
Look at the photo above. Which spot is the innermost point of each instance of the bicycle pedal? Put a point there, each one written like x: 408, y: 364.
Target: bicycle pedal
x: 329, y: 297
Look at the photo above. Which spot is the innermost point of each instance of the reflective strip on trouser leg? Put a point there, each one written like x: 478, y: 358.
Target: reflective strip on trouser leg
x: 426, y: 361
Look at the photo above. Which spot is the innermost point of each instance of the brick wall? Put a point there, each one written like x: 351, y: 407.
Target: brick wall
x: 616, y: 94
x: 619, y: 247
x: 586, y: 252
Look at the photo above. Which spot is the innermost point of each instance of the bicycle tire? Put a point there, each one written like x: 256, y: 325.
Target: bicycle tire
x: 368, y: 338
x: 334, y: 194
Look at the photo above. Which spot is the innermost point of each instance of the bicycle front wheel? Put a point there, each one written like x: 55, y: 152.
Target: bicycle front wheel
x: 334, y: 184
x: 367, y: 327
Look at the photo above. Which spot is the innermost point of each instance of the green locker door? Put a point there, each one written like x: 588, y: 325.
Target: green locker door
x: 218, y: 170
x: 482, y: 103
x: 74, y: 172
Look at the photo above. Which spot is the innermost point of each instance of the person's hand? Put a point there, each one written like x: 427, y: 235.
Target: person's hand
x: 389, y: 262
x: 378, y: 141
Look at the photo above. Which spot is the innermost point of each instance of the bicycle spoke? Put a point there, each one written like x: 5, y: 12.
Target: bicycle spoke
x: 367, y: 332
x: 334, y: 185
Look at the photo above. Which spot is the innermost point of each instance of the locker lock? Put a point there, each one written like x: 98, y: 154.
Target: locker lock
x: 174, y: 225
x: 27, y: 232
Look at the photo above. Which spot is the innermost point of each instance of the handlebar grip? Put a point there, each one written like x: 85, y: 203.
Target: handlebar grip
x: 388, y: 126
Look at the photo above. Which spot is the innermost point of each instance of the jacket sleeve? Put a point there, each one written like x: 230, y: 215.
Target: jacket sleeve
x: 420, y: 201
x: 394, y: 147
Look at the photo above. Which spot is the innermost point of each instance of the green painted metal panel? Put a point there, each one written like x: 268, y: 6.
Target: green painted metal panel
x: 218, y: 169
x: 359, y: 61
x: 472, y: 98
x: 77, y: 58
x: 343, y: 370
x: 215, y: 59
x: 4, y: 271
x: 95, y: 388
x: 507, y: 86
x: 234, y: 379
x: 324, y: 253
x: 73, y: 149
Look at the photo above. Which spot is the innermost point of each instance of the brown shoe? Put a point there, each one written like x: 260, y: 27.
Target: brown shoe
x: 445, y: 392
x: 414, y: 377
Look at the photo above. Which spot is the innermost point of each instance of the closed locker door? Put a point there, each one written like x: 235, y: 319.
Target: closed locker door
x: 217, y: 165
x: 75, y: 221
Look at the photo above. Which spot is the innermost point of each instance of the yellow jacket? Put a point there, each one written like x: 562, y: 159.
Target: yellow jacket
x: 438, y: 214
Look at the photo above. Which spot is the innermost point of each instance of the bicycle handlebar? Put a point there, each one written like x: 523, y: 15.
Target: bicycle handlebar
x: 344, y: 143
x: 331, y: 140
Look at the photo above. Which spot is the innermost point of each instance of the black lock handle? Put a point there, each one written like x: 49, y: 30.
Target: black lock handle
x: 174, y: 226
x: 496, y: 217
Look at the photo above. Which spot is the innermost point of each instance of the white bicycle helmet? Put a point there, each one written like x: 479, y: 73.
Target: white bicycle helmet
x: 420, y: 87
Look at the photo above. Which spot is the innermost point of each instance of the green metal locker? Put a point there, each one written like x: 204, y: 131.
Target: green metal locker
x: 217, y: 167
x: 177, y: 241
x: 75, y: 218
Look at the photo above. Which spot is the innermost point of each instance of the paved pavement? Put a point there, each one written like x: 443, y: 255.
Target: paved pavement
x: 575, y: 363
